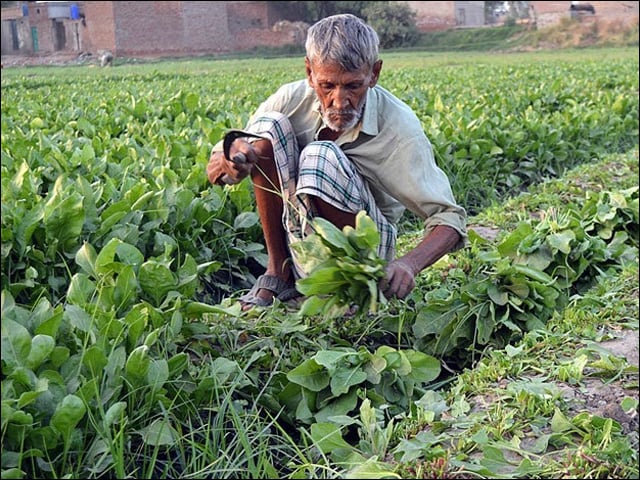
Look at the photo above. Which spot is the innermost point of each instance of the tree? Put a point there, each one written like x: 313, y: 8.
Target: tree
x: 395, y: 23
x: 311, y: 12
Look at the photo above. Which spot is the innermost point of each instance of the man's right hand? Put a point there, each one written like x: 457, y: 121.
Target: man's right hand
x: 221, y: 170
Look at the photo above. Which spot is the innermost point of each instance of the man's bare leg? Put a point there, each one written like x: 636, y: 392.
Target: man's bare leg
x: 270, y: 207
x: 338, y: 217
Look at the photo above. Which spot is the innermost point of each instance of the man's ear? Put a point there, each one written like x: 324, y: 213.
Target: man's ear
x: 375, y: 73
x: 307, y: 67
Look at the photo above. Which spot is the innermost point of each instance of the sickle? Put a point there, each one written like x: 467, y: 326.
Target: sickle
x: 239, y: 158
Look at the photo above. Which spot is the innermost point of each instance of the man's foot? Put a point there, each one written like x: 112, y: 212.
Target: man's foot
x: 266, y: 288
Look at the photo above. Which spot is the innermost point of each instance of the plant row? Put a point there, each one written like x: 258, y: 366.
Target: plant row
x: 106, y: 162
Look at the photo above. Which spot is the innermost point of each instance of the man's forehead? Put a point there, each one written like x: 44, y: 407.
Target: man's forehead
x: 335, y: 73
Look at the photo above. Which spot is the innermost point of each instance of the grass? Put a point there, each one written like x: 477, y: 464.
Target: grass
x: 519, y: 412
x: 619, y: 170
x: 576, y: 34
x: 568, y: 33
x: 471, y: 39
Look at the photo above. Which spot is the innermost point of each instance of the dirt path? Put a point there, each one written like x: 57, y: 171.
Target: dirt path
x: 603, y: 398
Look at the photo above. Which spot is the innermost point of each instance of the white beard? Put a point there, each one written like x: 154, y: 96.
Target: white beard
x: 356, y: 115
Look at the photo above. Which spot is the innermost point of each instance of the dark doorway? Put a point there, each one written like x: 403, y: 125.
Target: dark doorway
x: 14, y: 35
x: 59, y: 36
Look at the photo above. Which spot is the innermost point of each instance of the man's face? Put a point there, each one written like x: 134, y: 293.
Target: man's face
x: 342, y: 94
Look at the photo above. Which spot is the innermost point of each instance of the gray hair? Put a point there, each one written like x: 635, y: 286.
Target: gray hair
x: 342, y: 39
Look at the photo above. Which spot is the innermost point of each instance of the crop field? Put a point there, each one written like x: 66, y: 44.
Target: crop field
x: 125, y: 353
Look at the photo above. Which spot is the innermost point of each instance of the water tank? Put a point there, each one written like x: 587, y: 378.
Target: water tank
x: 75, y: 11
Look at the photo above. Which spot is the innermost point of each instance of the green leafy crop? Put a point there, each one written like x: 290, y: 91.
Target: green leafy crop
x: 344, y: 267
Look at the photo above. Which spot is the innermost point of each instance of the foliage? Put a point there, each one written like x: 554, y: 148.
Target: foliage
x: 481, y: 140
x: 116, y: 363
x: 395, y: 23
x: 343, y: 267
x: 330, y: 383
x: 512, y: 37
x: 471, y: 39
x: 518, y: 284
x: 313, y: 11
x: 572, y: 33
x: 508, y: 417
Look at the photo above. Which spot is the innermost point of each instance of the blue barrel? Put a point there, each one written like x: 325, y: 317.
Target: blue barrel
x: 75, y: 12
x: 25, y: 10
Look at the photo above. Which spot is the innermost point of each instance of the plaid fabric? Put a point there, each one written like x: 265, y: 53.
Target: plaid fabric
x: 322, y: 170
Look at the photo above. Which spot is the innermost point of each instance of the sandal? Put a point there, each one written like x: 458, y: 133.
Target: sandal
x: 282, y: 290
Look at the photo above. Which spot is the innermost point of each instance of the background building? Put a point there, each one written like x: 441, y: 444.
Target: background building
x: 185, y: 28
x: 141, y: 28
x: 432, y: 16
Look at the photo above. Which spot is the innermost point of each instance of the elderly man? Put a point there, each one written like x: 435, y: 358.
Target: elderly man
x: 332, y: 145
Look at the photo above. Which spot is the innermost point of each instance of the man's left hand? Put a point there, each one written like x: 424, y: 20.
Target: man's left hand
x: 399, y: 279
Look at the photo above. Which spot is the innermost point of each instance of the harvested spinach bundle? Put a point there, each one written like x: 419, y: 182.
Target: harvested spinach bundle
x: 343, y: 267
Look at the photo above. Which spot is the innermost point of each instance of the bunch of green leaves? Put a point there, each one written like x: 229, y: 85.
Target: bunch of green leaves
x: 343, y: 267
x: 517, y: 286
x: 332, y: 382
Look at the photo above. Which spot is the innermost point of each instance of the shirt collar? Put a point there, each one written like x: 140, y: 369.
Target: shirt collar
x: 370, y: 114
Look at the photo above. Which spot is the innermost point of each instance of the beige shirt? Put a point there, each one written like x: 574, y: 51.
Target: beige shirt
x: 388, y: 147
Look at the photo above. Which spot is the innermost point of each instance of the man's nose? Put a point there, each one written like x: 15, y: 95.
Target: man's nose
x: 341, y: 98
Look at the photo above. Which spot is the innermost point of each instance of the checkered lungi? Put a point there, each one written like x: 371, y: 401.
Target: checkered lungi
x: 323, y: 170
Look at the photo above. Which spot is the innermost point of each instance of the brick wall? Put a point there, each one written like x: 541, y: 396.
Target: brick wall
x: 97, y: 31
x: 245, y: 16
x: 148, y: 28
x: 433, y: 16
x: 605, y: 9
x: 250, y: 25
x: 205, y: 28
x: 48, y: 35
x: 616, y: 10
x: 39, y: 19
x: 180, y: 28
